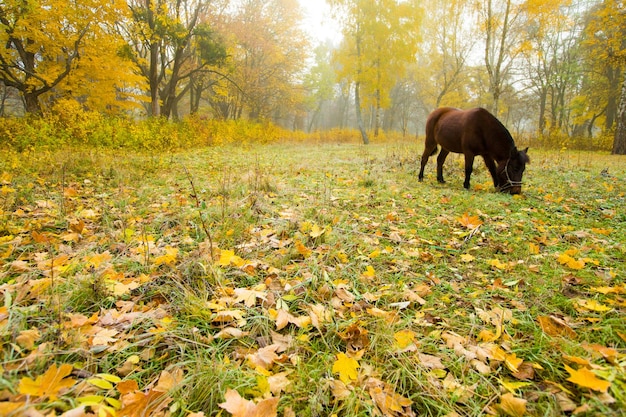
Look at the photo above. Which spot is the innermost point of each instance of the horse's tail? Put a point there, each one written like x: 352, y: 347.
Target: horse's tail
x: 431, y: 123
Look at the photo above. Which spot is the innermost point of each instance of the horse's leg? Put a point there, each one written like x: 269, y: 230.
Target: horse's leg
x: 491, y: 166
x: 429, y: 150
x: 469, y: 167
x: 443, y: 154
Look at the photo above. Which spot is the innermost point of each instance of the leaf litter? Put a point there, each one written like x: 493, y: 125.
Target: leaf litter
x: 350, y: 291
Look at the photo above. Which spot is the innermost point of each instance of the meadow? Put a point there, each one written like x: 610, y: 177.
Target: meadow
x: 309, y: 279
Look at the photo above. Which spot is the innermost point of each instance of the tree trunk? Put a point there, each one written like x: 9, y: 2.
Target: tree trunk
x: 619, y: 143
x: 359, y: 116
x: 31, y: 102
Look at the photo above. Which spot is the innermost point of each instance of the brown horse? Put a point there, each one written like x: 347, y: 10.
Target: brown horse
x: 475, y: 132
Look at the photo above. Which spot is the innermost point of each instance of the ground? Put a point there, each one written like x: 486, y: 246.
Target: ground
x: 310, y: 280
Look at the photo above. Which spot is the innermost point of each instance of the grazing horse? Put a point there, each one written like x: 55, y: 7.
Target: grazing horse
x: 475, y: 132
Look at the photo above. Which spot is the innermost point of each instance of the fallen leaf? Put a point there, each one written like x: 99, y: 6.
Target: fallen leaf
x: 587, y: 379
x: 512, y: 406
x: 240, y: 407
x: 469, y: 222
x: 27, y: 338
x: 49, y: 384
x: 404, y: 338
x: 554, y: 326
x: 346, y: 368
x: 389, y: 402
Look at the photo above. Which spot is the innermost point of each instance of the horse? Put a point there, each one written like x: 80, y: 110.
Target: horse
x: 475, y: 132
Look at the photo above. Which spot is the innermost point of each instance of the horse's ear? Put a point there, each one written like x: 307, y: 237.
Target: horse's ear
x: 526, y: 150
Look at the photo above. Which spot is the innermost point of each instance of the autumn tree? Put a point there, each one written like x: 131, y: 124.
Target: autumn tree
x: 170, y: 41
x: 320, y: 82
x: 62, y: 46
x: 448, y: 44
x: 380, y: 40
x: 605, y: 40
x: 268, y: 51
x: 500, y: 22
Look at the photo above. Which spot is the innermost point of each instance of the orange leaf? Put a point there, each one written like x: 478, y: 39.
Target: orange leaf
x: 555, y: 327
x: 48, y: 384
x: 469, y: 222
x: 587, y: 379
x: 240, y: 407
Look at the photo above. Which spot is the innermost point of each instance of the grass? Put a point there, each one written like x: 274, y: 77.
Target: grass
x: 342, y: 228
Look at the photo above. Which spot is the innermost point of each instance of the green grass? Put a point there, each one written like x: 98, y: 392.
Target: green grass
x: 307, y: 221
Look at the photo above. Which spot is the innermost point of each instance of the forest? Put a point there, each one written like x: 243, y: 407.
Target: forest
x: 552, y: 70
x: 205, y: 210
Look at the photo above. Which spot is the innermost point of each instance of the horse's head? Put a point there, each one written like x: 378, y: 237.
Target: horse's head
x: 510, y: 171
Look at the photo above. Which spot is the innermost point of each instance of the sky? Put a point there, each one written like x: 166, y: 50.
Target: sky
x: 318, y: 21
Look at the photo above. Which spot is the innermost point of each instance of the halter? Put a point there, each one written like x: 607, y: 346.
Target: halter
x: 509, y: 183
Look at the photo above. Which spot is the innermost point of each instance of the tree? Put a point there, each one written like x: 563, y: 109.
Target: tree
x: 448, y: 45
x: 320, y: 82
x: 268, y: 51
x: 380, y: 40
x: 46, y: 42
x: 170, y: 41
x: 500, y: 22
x: 606, y: 43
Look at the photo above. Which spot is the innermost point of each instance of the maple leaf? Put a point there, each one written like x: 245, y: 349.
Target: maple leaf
x: 49, y: 384
x: 587, y: 379
x: 249, y: 296
x: 228, y: 257
x: 265, y: 357
x: 104, y: 337
x: 346, y: 368
x: 169, y: 257
x: 566, y: 259
x: 369, y: 272
x: 512, y: 406
x: 27, y: 338
x: 240, y: 407
x: 404, y: 338
x: 554, y: 326
x: 389, y: 402
x: 469, y: 222
x: 139, y: 404
x: 98, y: 259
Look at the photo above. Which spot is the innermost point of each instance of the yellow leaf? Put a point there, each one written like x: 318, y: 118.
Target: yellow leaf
x: 369, y: 272
x: 98, y: 259
x: 316, y: 231
x: 168, y: 258
x: 346, y: 368
x: 303, y: 250
x: 587, y: 379
x: 497, y: 264
x: 226, y: 257
x: 48, y: 384
x: 513, y: 386
x: 593, y: 305
x: 404, y: 338
x: 374, y: 254
x: 566, y: 259
x: 513, y: 362
x: 512, y: 406
x: 466, y: 257
x: 100, y: 383
x: 533, y: 248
